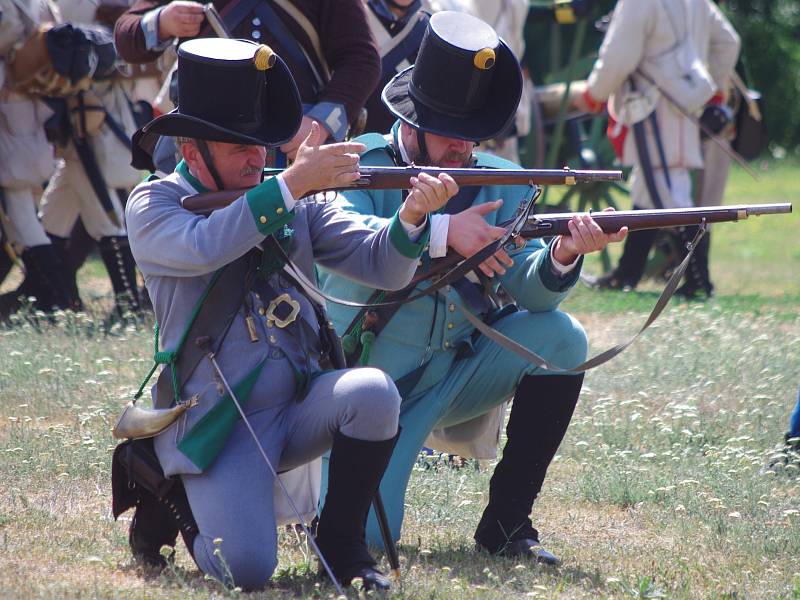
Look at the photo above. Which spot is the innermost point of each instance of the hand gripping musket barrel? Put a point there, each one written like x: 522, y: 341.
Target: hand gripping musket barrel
x: 552, y: 224
x: 397, y: 178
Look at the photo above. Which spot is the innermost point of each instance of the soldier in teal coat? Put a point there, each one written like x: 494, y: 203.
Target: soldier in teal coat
x: 464, y: 88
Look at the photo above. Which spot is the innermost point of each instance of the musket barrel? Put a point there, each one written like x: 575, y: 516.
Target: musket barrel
x: 389, y: 178
x: 397, y: 177
x: 769, y: 209
x: 547, y: 224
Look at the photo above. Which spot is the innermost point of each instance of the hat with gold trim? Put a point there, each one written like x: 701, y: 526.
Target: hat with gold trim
x: 233, y: 91
x: 466, y: 82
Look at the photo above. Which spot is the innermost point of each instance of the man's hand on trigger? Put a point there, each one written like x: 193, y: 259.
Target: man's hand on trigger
x: 469, y: 232
x: 585, y: 237
x: 428, y: 194
x: 180, y: 19
x: 322, y: 167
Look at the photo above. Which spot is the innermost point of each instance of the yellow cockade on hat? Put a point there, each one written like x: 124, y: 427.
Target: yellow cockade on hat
x: 264, y: 58
x: 484, y: 59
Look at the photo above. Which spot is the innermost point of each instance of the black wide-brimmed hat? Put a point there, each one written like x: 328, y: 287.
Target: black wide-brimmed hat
x: 233, y: 91
x: 466, y: 82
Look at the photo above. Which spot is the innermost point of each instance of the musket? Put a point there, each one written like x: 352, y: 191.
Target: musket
x: 552, y: 224
x: 389, y: 178
x: 525, y: 225
x: 547, y: 224
x: 215, y: 21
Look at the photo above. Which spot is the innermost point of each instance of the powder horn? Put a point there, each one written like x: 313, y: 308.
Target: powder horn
x: 137, y: 423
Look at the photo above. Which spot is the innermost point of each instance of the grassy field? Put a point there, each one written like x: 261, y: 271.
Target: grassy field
x: 659, y: 489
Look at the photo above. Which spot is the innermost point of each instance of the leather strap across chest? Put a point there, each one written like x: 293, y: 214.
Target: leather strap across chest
x: 213, y: 320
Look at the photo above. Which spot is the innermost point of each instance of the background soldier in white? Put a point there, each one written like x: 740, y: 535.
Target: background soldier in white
x: 690, y: 48
x: 26, y: 158
x: 72, y: 193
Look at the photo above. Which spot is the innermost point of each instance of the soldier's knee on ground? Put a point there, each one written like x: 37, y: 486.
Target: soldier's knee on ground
x: 373, y: 406
x: 249, y: 565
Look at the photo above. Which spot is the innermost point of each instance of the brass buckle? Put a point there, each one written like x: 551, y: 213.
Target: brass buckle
x: 273, y: 305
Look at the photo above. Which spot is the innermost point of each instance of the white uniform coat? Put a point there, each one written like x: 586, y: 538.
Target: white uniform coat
x: 643, y: 29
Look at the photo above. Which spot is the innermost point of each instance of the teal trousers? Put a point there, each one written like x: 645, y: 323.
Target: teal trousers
x: 454, y: 391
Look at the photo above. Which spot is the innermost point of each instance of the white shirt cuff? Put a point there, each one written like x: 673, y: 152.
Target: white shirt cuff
x: 440, y: 224
x: 287, y: 195
x: 413, y: 231
x: 149, y: 24
x: 557, y: 266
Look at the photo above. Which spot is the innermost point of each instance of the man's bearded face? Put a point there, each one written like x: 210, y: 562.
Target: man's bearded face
x: 448, y: 153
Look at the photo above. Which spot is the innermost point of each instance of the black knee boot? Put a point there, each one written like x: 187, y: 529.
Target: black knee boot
x: 354, y: 473
x: 45, y: 280
x: 69, y: 274
x: 540, y: 414
x: 79, y: 244
x: 117, y: 257
x: 697, y: 280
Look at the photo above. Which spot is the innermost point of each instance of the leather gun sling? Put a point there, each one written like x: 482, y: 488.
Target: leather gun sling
x: 213, y: 320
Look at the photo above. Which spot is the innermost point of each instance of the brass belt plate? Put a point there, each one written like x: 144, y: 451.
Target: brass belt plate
x: 274, y: 304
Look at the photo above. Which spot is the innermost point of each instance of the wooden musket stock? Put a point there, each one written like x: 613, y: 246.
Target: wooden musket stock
x: 397, y: 178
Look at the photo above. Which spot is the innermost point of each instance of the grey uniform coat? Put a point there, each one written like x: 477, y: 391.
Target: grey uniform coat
x: 178, y: 252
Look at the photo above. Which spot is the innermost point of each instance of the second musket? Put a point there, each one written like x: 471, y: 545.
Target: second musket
x: 391, y: 178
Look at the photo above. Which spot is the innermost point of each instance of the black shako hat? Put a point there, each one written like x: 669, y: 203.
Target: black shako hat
x: 466, y: 82
x: 232, y: 91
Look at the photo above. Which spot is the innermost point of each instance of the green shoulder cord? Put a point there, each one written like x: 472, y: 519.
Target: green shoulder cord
x: 170, y: 357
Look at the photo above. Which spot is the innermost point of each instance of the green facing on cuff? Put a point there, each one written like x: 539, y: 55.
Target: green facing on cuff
x: 401, y: 241
x: 268, y: 208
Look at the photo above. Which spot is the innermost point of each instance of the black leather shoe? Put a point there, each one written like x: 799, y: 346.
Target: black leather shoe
x: 529, y: 548
x: 371, y: 579
x: 609, y: 281
x: 692, y: 291
x: 786, y: 457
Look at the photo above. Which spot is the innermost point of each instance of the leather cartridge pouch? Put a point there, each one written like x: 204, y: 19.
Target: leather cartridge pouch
x: 133, y: 466
x: 30, y: 58
x: 31, y: 69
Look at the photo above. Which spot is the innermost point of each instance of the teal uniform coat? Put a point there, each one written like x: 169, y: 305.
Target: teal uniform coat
x: 430, y: 331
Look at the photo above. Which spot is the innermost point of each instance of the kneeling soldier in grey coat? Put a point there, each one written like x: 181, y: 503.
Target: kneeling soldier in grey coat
x: 263, y: 330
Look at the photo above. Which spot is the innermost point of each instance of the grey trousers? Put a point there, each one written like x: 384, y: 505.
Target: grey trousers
x: 232, y: 501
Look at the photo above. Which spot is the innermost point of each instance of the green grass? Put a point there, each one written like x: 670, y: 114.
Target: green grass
x: 658, y: 490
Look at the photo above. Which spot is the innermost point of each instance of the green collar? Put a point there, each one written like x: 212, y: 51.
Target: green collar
x: 183, y: 170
